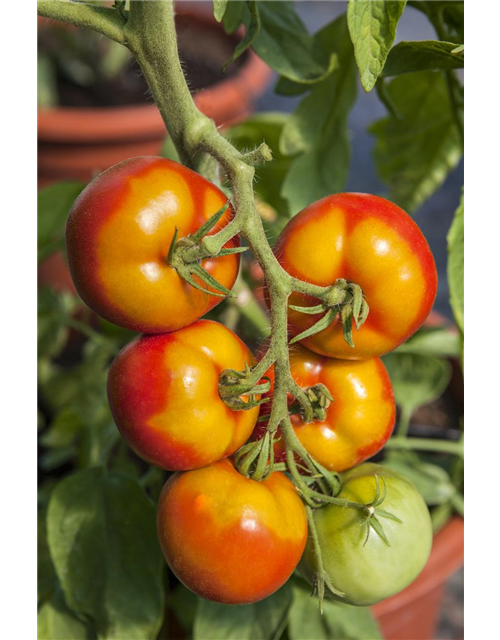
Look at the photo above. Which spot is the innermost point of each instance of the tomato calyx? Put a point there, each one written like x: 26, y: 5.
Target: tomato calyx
x: 255, y: 460
x: 320, y: 398
x: 372, y: 513
x: 185, y: 256
x: 343, y: 299
x: 234, y: 384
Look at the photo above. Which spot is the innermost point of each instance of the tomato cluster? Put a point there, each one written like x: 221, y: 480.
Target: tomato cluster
x: 227, y: 537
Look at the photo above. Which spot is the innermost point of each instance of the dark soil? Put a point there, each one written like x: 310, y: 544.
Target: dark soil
x: 204, y: 49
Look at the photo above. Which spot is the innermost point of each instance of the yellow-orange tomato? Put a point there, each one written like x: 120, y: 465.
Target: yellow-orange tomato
x: 163, y: 393
x: 118, y: 235
x: 358, y: 422
x: 372, y: 242
x: 228, y: 538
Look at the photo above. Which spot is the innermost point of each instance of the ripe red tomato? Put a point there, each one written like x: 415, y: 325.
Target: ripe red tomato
x: 163, y: 393
x: 118, y: 235
x: 358, y: 422
x: 228, y: 538
x: 372, y: 242
x: 368, y: 572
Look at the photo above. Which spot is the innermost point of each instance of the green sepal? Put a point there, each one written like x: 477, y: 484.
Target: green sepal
x: 322, y: 324
x: 308, y: 310
x: 202, y: 273
x: 200, y: 233
x: 229, y: 252
x: 346, y: 317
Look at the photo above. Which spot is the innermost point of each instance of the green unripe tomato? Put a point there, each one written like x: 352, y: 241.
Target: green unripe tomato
x: 368, y: 573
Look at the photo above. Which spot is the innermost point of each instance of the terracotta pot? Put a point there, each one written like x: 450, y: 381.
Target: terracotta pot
x: 413, y: 614
x: 79, y: 142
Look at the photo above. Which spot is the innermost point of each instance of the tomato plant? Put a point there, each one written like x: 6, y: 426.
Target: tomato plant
x: 359, y: 421
x: 365, y: 566
x: 228, y: 538
x: 153, y: 245
x: 370, y: 241
x: 163, y: 394
x: 118, y: 237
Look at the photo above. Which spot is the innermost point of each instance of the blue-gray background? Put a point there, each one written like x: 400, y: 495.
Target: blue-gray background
x: 435, y: 216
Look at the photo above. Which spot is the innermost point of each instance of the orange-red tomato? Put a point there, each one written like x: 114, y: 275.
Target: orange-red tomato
x: 163, y: 393
x: 118, y: 235
x: 228, y: 538
x: 358, y: 422
x: 372, y: 242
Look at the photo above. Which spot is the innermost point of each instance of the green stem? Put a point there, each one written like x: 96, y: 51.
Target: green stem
x: 427, y: 444
x: 404, y: 422
x: 104, y: 20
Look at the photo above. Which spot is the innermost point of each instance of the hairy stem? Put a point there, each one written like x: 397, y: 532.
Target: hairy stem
x: 104, y: 20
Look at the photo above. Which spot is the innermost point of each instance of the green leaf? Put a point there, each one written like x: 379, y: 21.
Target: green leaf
x: 285, y: 44
x: 433, y: 341
x: 318, y: 127
x: 279, y: 37
x: 102, y: 540
x: 57, y: 622
x: 452, y: 15
x: 54, y: 203
x: 417, y: 379
x: 65, y: 427
x: 53, y: 312
x: 372, y: 25
x: 408, y: 57
x: 82, y: 391
x: 62, y: 438
x: 234, y: 15
x: 338, y: 622
x: 251, y: 18
x: 220, y: 7
x: 456, y: 265
x: 432, y: 481
x: 46, y: 575
x: 415, y: 151
x: 263, y: 620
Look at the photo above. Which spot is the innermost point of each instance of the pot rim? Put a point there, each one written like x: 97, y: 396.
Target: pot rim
x: 143, y: 121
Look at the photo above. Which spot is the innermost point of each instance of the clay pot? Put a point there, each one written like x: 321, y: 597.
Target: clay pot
x: 79, y: 142
x: 413, y: 614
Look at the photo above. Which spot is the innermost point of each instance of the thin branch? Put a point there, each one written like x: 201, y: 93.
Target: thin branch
x: 105, y: 20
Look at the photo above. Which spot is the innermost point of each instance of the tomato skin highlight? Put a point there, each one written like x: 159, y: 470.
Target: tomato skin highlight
x: 118, y: 235
x: 358, y: 422
x: 163, y: 394
x: 370, y: 241
x: 371, y: 572
x: 228, y: 538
